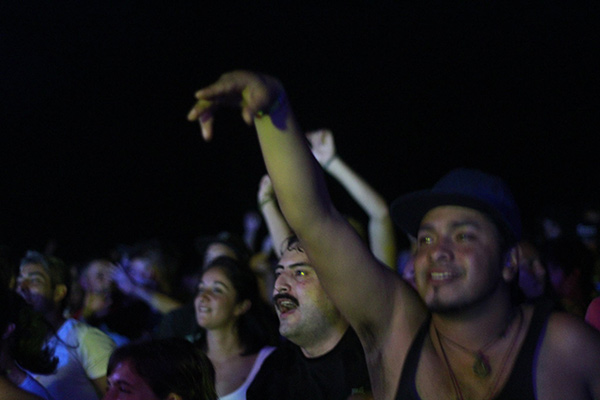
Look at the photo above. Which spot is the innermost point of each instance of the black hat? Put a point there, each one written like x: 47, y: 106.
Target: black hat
x: 462, y: 187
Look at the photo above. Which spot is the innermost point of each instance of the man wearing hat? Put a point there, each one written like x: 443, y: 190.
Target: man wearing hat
x: 460, y: 335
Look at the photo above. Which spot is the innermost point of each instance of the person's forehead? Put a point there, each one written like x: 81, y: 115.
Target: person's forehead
x: 293, y: 256
x: 33, y: 269
x: 216, y: 274
x: 140, y: 263
x: 125, y: 372
x: 98, y: 267
x: 450, y: 214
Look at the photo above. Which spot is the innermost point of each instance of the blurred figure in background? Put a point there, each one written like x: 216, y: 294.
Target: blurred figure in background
x: 82, y: 351
x: 533, y: 277
x: 570, y: 265
x: 24, y: 333
x: 168, y: 369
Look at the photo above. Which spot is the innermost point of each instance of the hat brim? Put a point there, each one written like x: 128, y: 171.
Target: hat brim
x: 408, y: 211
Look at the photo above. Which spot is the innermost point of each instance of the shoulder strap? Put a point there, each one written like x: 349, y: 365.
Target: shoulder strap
x: 407, y: 388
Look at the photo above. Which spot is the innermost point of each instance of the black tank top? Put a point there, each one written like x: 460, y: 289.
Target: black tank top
x: 521, y: 382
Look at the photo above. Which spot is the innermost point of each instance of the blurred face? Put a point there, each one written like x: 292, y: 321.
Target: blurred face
x: 532, y: 274
x: 215, y: 302
x: 142, y: 272
x: 35, y: 286
x: 217, y: 250
x: 125, y: 383
x: 303, y: 308
x: 98, y: 277
x: 457, y: 263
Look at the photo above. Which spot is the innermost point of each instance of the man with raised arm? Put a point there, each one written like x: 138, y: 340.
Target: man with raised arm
x: 460, y: 335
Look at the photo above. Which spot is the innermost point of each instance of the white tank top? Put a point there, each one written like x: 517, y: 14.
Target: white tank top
x: 240, y: 393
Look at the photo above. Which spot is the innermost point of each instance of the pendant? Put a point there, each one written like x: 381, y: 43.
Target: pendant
x: 481, y: 367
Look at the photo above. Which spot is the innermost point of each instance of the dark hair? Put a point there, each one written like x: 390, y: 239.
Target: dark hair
x: 292, y: 243
x: 231, y: 240
x: 56, y: 268
x: 7, y: 273
x: 27, y: 341
x: 258, y: 326
x: 171, y: 365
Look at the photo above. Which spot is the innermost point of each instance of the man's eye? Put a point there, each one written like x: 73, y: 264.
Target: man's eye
x: 300, y: 273
x: 124, y: 390
x: 465, y: 237
x: 425, y: 240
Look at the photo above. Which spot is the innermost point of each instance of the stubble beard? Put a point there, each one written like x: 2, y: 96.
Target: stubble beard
x: 438, y: 306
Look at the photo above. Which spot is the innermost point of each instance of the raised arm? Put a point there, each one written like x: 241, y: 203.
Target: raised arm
x: 277, y: 226
x: 382, y: 237
x: 156, y: 300
x: 349, y: 272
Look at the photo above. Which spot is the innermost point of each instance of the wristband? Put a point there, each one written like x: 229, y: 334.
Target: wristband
x: 328, y: 162
x: 263, y: 202
x: 276, y: 105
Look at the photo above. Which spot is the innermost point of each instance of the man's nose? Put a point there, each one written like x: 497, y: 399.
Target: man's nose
x: 442, y: 250
x: 282, y: 284
x: 22, y: 285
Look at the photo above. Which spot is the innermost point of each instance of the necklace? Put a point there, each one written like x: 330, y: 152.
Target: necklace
x: 494, y: 387
x: 481, y: 366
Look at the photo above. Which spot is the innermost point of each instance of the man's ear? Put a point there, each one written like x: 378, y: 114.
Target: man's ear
x: 510, y: 268
x: 242, y: 308
x: 60, y: 292
x: 173, y: 396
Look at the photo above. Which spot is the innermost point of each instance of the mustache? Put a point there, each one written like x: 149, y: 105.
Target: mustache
x: 281, y: 296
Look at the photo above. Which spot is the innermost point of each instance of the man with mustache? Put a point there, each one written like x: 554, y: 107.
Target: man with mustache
x: 322, y: 357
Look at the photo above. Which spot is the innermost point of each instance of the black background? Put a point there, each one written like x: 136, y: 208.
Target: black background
x: 96, y: 149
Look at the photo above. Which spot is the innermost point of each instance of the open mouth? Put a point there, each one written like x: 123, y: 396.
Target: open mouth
x: 285, y: 303
x: 442, y: 276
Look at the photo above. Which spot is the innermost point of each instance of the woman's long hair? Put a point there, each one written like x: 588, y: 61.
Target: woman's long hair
x: 257, y: 327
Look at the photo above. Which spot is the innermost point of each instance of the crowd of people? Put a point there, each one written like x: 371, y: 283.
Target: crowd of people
x: 322, y: 308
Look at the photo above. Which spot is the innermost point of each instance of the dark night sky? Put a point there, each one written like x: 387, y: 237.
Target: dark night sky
x: 96, y: 149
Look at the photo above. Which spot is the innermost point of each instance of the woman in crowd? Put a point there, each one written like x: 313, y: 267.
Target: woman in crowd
x: 238, y: 327
x: 166, y: 369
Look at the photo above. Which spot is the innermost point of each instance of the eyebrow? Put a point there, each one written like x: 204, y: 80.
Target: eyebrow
x: 32, y: 274
x: 453, y: 225
x: 294, y: 265
x: 214, y: 283
x: 120, y: 382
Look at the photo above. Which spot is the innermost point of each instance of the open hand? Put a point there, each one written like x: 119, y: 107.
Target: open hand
x: 322, y: 145
x: 252, y: 92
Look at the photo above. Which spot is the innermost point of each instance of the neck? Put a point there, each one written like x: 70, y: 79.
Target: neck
x: 55, y: 319
x: 222, y: 344
x: 324, y: 342
x: 476, y: 326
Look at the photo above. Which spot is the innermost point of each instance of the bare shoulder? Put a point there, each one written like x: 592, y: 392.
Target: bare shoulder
x: 568, y: 359
x: 568, y: 335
